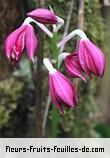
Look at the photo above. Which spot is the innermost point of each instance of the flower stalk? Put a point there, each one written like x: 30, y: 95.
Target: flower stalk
x: 77, y: 32
x: 41, y: 26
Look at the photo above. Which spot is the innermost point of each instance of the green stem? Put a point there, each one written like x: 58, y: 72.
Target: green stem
x: 54, y: 122
x: 55, y: 112
x: 54, y: 48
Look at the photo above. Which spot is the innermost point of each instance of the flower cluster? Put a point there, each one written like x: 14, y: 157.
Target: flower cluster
x: 86, y: 60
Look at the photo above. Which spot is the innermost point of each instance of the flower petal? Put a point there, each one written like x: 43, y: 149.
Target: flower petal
x: 83, y: 58
x: 73, y: 67
x: 53, y: 97
x: 43, y: 15
x: 96, y: 58
x: 31, y: 42
x: 11, y: 40
x: 63, y: 89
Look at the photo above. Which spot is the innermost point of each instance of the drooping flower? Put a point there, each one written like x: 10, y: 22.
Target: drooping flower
x: 17, y: 40
x: 91, y: 58
x: 61, y: 89
x: 73, y: 67
x: 43, y: 16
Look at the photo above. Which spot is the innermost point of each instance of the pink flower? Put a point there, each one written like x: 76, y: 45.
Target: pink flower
x: 17, y: 40
x: 91, y: 58
x: 43, y: 15
x: 73, y: 67
x: 62, y: 91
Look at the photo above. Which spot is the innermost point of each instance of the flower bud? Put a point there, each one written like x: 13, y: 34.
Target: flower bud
x: 43, y: 16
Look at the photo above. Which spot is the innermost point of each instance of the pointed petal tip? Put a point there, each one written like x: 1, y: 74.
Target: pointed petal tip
x: 9, y: 60
x: 62, y: 112
x: 32, y: 60
x: 8, y: 56
x: 101, y: 75
x: 28, y: 14
x: 84, y: 80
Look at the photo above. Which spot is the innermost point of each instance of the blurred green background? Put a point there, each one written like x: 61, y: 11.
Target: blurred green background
x: 25, y: 108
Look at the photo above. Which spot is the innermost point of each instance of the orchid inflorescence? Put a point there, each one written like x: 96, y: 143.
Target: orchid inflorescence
x: 86, y: 59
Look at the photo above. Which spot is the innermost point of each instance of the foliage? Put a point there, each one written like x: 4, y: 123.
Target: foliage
x: 10, y: 93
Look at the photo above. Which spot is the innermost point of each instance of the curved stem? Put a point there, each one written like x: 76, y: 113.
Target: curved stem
x: 61, y: 57
x: 78, y: 32
x: 59, y: 25
x: 48, y: 65
x: 68, y: 20
x: 42, y: 27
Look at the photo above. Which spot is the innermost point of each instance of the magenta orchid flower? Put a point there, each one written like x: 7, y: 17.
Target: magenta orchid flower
x: 43, y: 16
x: 61, y: 89
x: 91, y: 58
x: 17, y: 40
x: 73, y: 67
